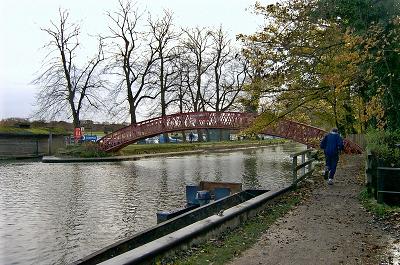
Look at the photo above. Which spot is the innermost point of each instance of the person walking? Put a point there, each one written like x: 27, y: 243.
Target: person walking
x: 191, y: 136
x: 332, y: 144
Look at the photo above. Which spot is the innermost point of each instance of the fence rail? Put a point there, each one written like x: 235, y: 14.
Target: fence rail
x: 306, y: 167
x: 388, y: 185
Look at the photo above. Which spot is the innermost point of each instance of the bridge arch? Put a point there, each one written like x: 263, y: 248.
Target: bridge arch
x: 298, y: 132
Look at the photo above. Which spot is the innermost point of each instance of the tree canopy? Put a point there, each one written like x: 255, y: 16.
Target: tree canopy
x: 331, y: 63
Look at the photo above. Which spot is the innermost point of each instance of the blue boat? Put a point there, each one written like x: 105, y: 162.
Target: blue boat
x: 199, y: 195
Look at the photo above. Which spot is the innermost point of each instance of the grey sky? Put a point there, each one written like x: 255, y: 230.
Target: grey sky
x: 21, y: 38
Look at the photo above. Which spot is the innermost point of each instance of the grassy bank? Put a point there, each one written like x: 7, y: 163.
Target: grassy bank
x: 31, y: 131
x: 224, y: 248
x: 377, y: 209
x: 92, y: 150
x: 136, y: 149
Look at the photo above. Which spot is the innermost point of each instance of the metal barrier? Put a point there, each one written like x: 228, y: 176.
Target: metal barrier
x: 305, y: 168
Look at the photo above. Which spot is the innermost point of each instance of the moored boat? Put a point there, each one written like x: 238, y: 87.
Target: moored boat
x: 199, y: 195
x: 199, y: 206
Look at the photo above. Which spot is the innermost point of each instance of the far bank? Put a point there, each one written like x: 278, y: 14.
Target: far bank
x: 90, y: 153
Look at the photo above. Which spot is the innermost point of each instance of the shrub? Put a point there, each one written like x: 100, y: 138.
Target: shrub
x: 88, y: 149
x: 382, y: 144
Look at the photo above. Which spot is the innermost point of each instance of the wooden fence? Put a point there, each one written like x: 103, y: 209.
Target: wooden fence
x: 358, y: 139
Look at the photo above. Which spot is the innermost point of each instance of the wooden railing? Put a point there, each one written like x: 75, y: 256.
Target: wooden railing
x: 305, y: 167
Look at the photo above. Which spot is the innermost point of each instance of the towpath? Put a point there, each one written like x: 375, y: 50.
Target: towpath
x: 330, y: 227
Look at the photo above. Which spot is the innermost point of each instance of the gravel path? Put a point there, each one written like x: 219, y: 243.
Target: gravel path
x: 329, y: 228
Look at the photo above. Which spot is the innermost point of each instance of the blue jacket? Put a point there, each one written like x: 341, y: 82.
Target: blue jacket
x: 332, y: 144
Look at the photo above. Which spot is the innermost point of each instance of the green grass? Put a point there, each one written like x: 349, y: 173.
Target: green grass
x: 15, y: 130
x: 231, y: 243
x: 92, y: 150
x: 135, y: 149
x: 371, y: 205
x: 98, y: 133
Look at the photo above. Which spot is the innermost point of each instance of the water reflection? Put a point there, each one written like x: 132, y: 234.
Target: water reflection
x: 163, y: 198
x: 57, y: 213
x: 217, y: 170
x: 250, y: 177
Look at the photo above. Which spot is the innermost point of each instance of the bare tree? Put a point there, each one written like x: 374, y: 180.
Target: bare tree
x: 183, y: 82
x: 63, y: 86
x: 165, y: 40
x: 197, y: 44
x: 229, y: 73
x: 134, y: 57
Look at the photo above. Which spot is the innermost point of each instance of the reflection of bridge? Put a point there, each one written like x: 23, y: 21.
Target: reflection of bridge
x: 298, y: 132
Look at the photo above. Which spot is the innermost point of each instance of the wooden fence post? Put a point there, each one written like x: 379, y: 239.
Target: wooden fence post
x: 303, y: 160
x: 294, y: 169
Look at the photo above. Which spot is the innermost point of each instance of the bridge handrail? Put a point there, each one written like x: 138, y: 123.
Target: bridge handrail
x: 126, y: 135
x: 174, y: 115
x: 299, y: 132
x: 349, y: 146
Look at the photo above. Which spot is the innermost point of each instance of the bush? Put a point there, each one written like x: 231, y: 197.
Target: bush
x: 382, y: 144
x: 88, y: 149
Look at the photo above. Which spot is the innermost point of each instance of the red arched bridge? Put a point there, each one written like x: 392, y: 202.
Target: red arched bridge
x: 298, y: 132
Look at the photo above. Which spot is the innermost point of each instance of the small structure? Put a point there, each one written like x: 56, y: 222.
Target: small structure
x: 29, y: 145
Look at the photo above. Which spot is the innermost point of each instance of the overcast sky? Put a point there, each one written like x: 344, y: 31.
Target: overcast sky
x: 21, y: 40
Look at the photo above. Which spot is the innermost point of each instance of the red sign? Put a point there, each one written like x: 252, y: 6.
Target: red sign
x: 77, y: 134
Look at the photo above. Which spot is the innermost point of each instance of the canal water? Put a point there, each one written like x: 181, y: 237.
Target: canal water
x: 58, y: 213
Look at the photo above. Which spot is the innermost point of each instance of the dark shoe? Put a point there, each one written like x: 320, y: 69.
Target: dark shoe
x: 326, y: 173
x: 330, y: 181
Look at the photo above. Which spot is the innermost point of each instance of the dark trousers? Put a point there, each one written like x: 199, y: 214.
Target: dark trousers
x: 331, y: 164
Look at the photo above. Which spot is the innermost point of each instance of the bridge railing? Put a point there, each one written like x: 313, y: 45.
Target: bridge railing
x: 299, y: 132
x: 303, y: 168
x: 174, y: 122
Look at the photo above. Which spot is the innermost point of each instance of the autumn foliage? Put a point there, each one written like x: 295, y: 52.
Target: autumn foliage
x: 330, y: 63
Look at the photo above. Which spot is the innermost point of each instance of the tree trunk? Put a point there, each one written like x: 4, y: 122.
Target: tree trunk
x: 76, y: 121
x: 184, y: 136
x: 200, y: 135
x: 220, y: 134
x: 207, y: 135
x: 132, y: 112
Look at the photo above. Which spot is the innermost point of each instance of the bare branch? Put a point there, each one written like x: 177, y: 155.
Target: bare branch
x: 63, y: 87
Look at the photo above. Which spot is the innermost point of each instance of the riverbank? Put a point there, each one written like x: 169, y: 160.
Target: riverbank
x: 135, y: 152
x: 317, y: 224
